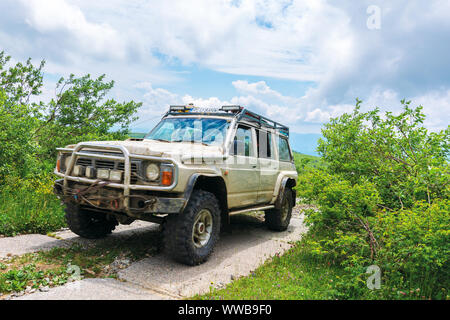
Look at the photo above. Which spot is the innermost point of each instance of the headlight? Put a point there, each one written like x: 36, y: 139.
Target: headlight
x: 90, y: 172
x: 78, y: 171
x: 152, y: 172
x: 103, y: 174
x: 115, y: 175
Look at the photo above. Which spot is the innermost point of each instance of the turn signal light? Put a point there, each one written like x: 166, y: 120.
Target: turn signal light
x: 166, y: 176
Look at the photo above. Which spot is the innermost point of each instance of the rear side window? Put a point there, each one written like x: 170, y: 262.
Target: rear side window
x: 265, y: 144
x: 283, y: 149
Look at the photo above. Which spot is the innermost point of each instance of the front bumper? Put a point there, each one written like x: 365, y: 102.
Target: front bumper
x: 126, y: 193
x: 112, y: 200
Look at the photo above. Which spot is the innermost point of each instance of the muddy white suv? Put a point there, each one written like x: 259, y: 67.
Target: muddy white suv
x: 194, y: 170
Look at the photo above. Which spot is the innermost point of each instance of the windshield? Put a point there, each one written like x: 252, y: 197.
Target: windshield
x: 207, y: 131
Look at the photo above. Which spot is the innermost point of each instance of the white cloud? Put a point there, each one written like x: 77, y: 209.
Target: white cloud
x: 260, y: 88
x: 437, y: 106
x: 301, y: 114
x: 317, y: 116
x: 228, y: 38
x: 322, y: 41
x: 435, y: 103
x: 53, y: 17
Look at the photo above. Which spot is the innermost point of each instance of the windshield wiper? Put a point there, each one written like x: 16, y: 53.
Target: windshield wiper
x: 190, y: 141
x: 162, y: 140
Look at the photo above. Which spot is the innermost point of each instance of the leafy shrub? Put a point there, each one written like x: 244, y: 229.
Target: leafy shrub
x: 395, y: 152
x: 79, y: 111
x: 382, y: 200
x: 17, y: 146
x: 30, y: 132
x: 29, y: 206
x: 415, y: 249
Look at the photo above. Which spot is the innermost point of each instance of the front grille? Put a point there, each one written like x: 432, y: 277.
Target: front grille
x: 105, y: 164
x: 84, y: 162
x: 111, y: 165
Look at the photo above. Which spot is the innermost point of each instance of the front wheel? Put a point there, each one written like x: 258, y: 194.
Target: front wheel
x: 278, y: 219
x: 89, y: 224
x: 191, y: 236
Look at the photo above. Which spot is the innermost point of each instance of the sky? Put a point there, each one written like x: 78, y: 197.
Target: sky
x: 298, y: 62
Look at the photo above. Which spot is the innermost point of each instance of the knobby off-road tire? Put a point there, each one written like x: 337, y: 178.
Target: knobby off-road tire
x: 278, y: 219
x: 183, y: 239
x: 88, y: 224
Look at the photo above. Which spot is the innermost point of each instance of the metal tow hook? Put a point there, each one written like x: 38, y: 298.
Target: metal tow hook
x: 150, y: 202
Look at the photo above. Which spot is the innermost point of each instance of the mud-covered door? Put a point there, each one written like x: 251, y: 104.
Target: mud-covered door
x: 242, y: 166
x: 268, y: 166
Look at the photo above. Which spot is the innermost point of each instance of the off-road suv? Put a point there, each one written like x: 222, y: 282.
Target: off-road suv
x: 194, y: 170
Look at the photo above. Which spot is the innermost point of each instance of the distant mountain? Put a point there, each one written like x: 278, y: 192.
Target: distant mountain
x: 138, y: 135
x: 305, y: 143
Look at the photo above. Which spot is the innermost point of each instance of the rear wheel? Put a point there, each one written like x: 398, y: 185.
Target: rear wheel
x: 191, y: 236
x: 278, y: 219
x: 89, y: 224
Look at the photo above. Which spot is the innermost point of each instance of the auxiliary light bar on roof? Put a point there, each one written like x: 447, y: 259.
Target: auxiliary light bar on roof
x: 232, y: 108
x: 180, y: 108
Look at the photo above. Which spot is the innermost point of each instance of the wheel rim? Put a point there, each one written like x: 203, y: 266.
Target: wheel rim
x: 285, y: 210
x: 202, y: 229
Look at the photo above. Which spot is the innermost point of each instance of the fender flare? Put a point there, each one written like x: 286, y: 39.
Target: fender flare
x: 189, y: 188
x: 280, y: 198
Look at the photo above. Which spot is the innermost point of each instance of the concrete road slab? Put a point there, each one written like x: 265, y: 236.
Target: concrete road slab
x: 121, y: 233
x: 94, y: 289
x: 237, y: 254
x: 27, y: 243
x: 18, y: 245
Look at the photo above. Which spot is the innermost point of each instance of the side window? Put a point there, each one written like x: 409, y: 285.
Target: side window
x: 243, y: 144
x: 283, y: 149
x: 265, y: 144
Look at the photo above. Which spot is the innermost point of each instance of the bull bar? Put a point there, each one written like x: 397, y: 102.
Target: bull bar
x: 126, y: 158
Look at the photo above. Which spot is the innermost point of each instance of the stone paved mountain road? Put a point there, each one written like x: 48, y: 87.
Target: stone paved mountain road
x: 237, y: 254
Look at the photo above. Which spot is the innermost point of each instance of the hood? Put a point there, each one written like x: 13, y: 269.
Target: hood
x: 163, y: 149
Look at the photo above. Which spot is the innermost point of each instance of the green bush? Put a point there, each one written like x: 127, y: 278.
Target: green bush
x: 17, y: 146
x: 29, y: 206
x: 415, y: 249
x: 30, y: 133
x: 382, y: 199
x: 395, y: 152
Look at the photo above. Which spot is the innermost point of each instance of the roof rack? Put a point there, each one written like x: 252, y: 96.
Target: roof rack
x: 248, y: 115
x: 236, y: 111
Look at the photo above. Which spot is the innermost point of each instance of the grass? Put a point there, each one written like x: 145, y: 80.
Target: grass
x: 29, y: 210
x: 296, y: 275
x: 32, y: 276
